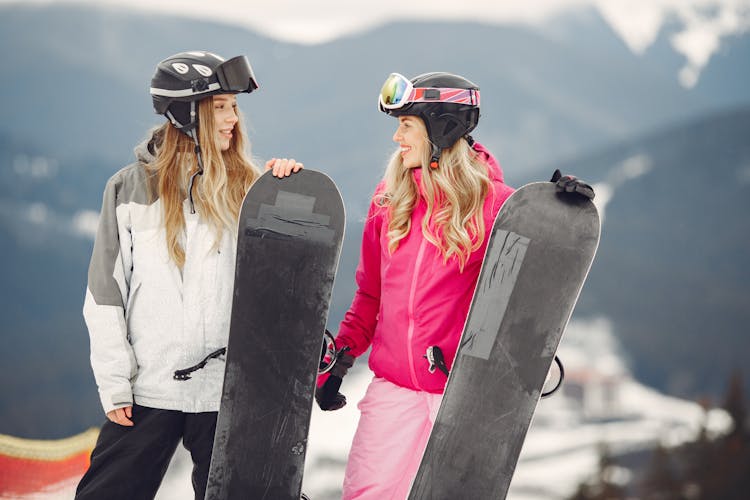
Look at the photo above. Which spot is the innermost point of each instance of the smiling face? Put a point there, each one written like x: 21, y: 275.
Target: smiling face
x: 225, y: 118
x: 411, y: 135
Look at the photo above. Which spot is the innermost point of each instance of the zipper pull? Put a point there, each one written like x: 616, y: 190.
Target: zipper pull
x: 436, y: 360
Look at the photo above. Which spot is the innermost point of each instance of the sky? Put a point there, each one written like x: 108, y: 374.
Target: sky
x: 637, y: 22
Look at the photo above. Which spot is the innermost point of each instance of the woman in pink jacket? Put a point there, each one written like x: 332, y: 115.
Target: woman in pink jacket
x: 422, y: 249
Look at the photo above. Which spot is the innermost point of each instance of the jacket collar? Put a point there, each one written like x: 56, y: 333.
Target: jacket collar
x: 495, y: 171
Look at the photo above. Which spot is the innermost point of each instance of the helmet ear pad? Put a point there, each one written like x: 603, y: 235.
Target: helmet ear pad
x: 161, y: 104
x: 181, y: 111
x: 446, y: 126
x: 448, y: 129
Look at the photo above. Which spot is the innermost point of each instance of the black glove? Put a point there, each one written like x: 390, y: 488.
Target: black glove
x: 328, y: 396
x: 571, y: 184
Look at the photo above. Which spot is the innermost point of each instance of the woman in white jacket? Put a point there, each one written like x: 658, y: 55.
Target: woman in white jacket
x: 161, y: 276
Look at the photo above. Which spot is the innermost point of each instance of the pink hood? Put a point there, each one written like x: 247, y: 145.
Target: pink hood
x: 412, y: 299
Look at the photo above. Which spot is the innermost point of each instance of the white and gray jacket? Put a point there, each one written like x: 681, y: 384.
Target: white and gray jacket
x: 146, y: 319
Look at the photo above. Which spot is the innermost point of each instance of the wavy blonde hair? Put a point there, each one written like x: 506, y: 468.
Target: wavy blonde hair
x: 455, y: 194
x: 217, y: 194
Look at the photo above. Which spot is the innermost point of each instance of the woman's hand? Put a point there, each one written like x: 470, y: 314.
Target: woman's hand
x: 122, y: 416
x: 283, y: 167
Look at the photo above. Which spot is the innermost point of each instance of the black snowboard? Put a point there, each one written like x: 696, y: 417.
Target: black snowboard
x: 541, y: 248
x: 289, y: 240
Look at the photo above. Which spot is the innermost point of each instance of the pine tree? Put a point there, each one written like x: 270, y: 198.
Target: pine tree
x: 731, y: 478
x: 718, y: 469
x: 734, y: 404
x: 603, y: 486
x: 705, y: 469
x: 698, y: 459
x: 660, y: 481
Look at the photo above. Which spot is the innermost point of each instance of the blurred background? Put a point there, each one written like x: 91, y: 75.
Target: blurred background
x: 649, y: 100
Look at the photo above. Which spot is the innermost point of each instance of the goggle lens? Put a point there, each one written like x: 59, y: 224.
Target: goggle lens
x: 236, y: 75
x: 395, y: 91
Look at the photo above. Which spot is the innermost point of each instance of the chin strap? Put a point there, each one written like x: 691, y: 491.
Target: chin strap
x: 184, y: 127
x: 191, y: 130
x: 435, y: 158
x: 199, y: 156
x: 436, y: 152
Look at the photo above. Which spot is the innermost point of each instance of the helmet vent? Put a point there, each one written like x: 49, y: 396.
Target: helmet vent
x: 203, y: 70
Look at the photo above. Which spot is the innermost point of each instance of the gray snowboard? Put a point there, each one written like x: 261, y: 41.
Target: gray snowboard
x: 289, y: 241
x: 541, y: 248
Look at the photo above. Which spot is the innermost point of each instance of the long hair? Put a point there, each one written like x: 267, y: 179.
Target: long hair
x: 454, y: 192
x: 217, y: 193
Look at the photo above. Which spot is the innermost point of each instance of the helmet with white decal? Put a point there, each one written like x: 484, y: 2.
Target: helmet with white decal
x: 187, y: 77
x: 181, y: 80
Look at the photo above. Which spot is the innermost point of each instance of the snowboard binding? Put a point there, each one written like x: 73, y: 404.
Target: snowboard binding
x: 329, y: 353
x: 558, y: 362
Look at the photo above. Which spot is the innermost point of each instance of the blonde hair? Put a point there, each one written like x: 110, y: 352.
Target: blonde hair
x: 454, y: 192
x: 217, y: 193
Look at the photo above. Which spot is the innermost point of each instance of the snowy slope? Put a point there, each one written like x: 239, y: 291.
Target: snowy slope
x: 600, y: 404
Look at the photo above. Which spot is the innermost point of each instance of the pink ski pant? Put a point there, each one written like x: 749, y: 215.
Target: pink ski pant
x: 394, y: 426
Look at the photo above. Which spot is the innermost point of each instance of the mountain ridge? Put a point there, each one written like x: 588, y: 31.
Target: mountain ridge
x: 544, y: 107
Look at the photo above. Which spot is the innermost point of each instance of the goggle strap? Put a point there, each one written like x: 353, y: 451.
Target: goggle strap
x: 451, y: 95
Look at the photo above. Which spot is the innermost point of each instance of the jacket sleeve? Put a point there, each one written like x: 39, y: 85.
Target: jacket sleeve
x: 112, y: 357
x: 357, y: 328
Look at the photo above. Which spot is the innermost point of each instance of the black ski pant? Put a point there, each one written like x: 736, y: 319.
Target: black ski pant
x: 129, y: 463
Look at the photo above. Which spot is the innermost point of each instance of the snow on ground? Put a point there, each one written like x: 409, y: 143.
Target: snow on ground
x: 600, y: 403
x: 59, y: 491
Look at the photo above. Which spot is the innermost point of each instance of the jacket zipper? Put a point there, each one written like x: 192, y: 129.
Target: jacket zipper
x: 410, y: 335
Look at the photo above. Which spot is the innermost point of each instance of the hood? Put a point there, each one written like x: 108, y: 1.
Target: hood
x: 145, y: 152
x: 496, y: 173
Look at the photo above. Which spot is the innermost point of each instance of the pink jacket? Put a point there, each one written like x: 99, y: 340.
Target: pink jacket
x: 412, y: 299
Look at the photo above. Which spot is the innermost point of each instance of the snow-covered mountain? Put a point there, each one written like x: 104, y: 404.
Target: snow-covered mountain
x: 699, y: 27
x: 670, y: 270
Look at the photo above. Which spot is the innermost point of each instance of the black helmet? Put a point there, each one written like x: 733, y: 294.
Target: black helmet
x: 447, y: 103
x: 182, y: 79
x: 185, y: 78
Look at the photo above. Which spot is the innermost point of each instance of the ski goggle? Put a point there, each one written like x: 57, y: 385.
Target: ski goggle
x: 398, y: 91
x: 236, y: 75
